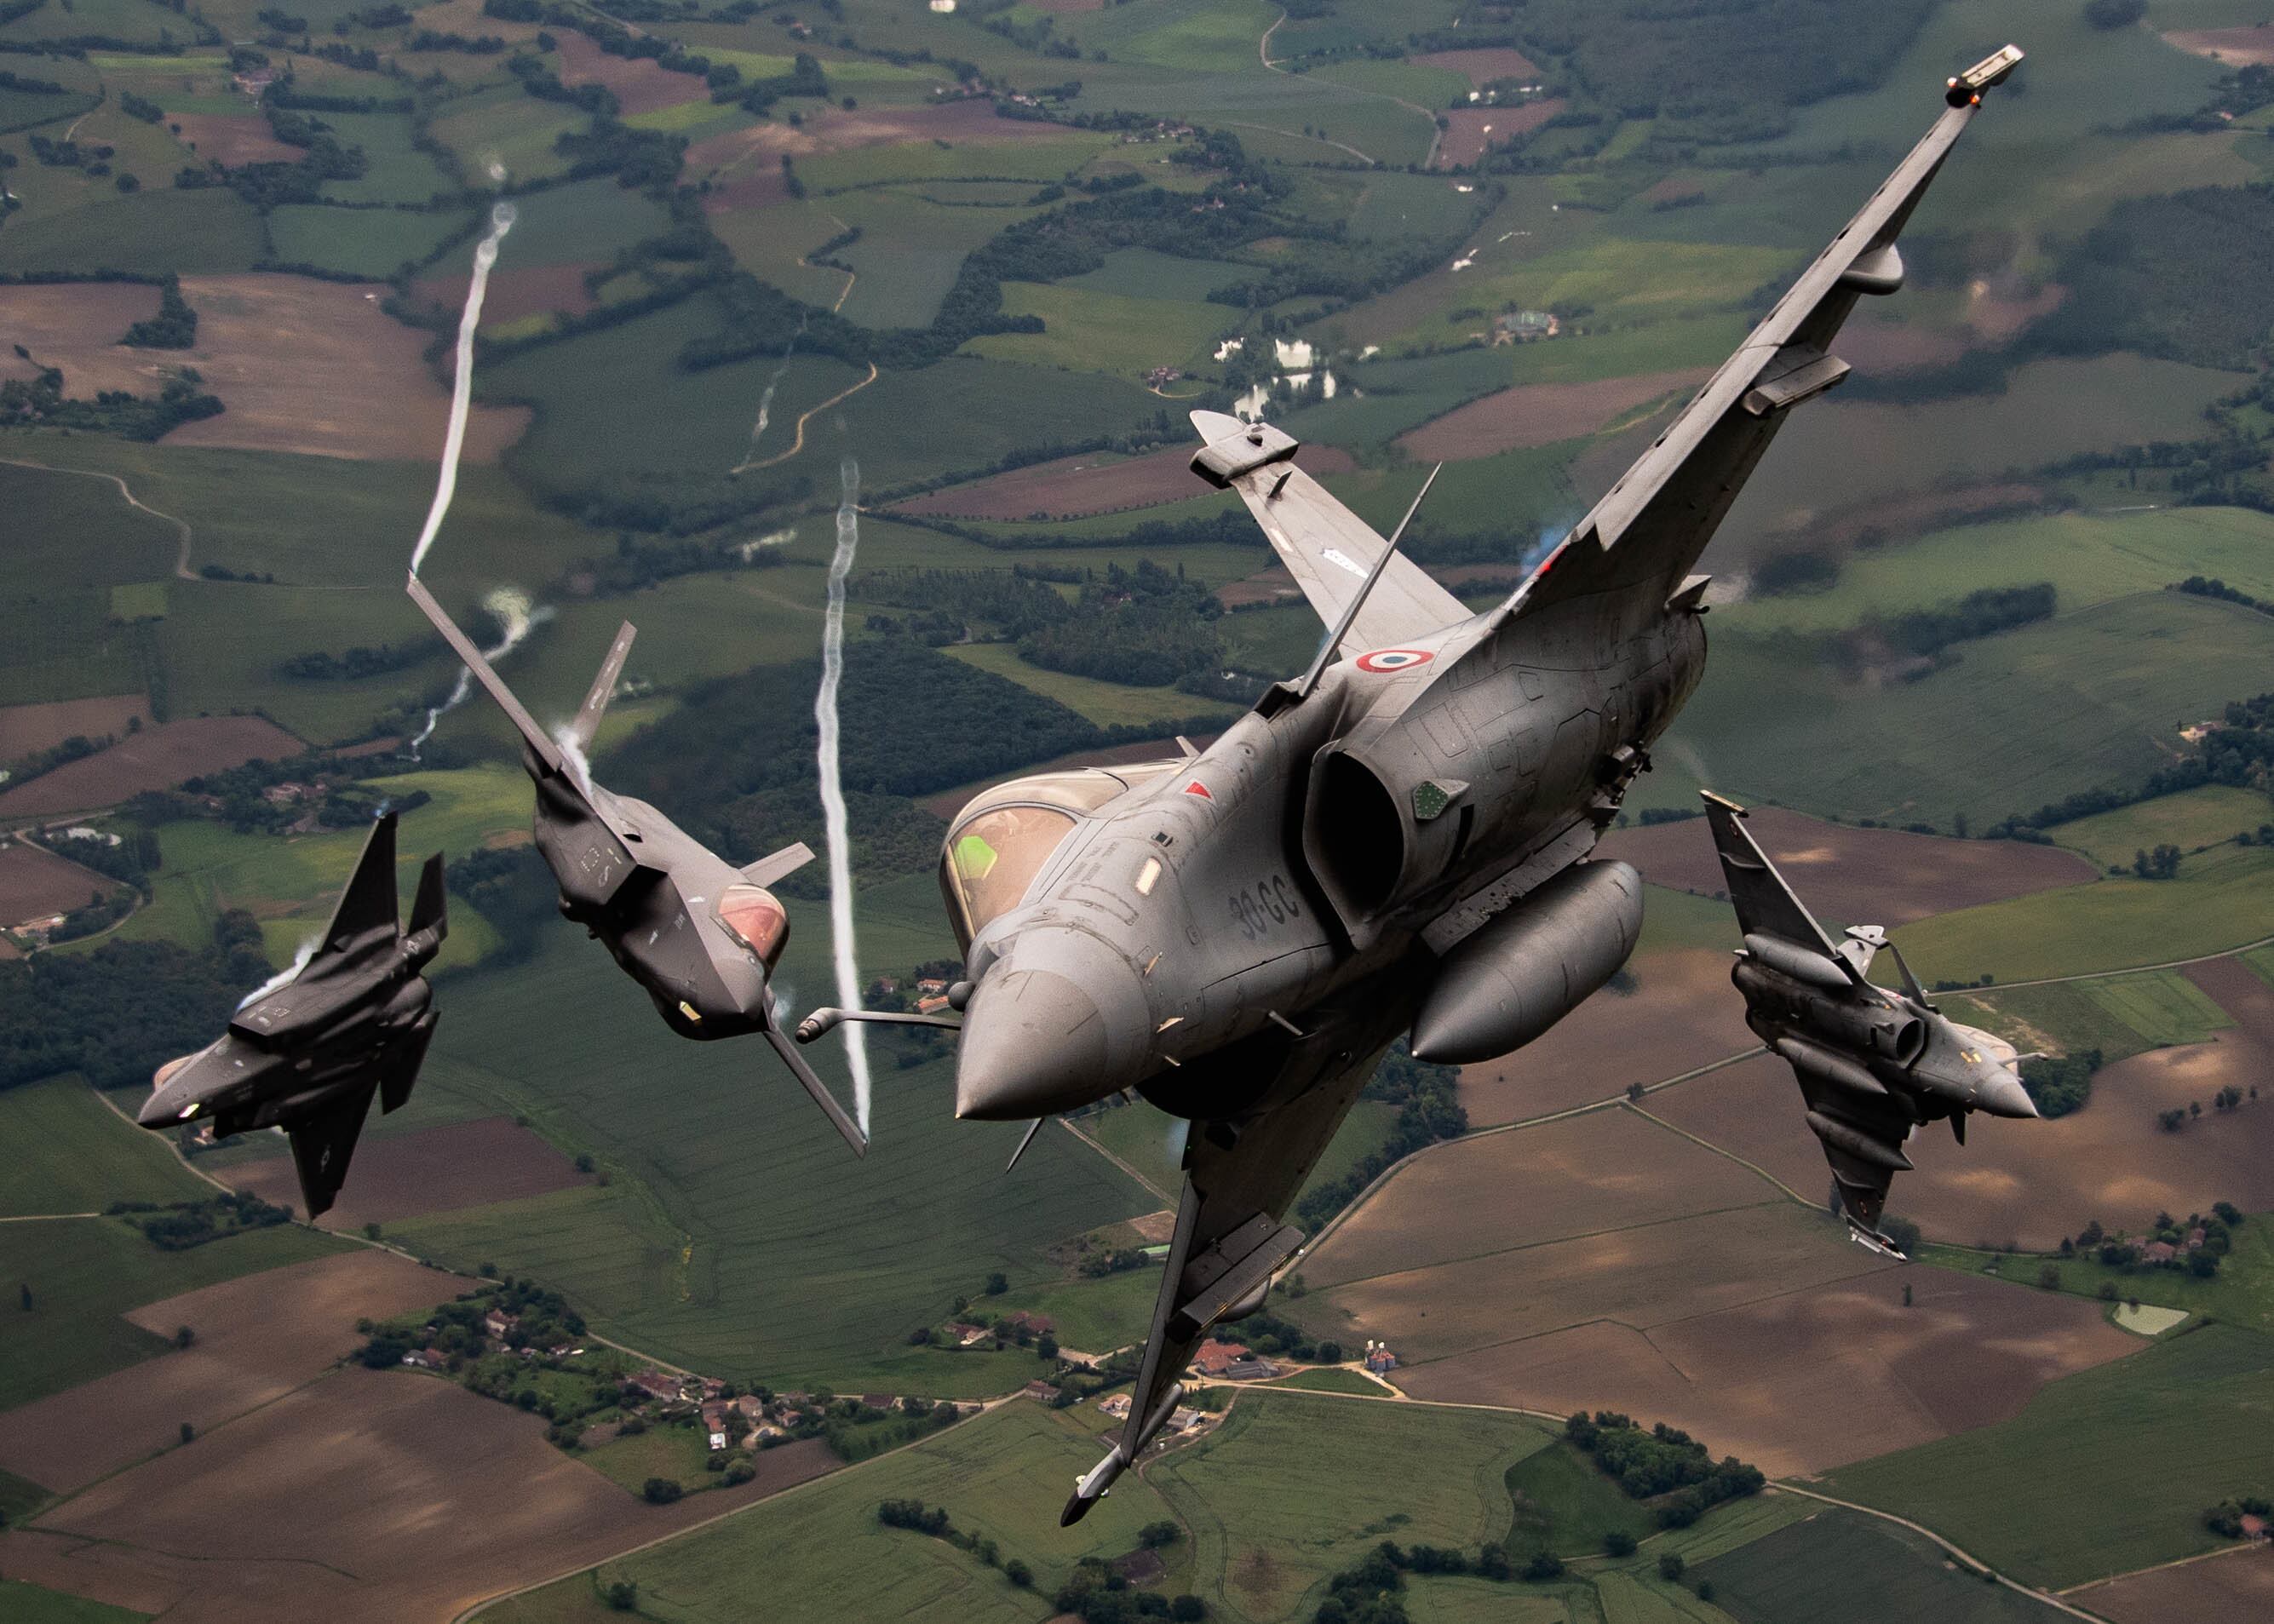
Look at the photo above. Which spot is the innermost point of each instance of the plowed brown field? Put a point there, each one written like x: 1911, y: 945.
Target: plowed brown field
x: 27, y: 728
x: 258, y: 1338
x: 155, y: 758
x: 1480, y: 67
x: 36, y: 883
x: 1848, y: 877
x: 76, y: 327
x: 348, y: 1501
x: 2234, y: 1588
x: 429, y: 1170
x: 1073, y: 487
x: 1476, y: 130
x: 1539, y: 414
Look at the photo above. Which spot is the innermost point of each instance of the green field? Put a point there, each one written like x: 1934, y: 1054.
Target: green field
x: 363, y: 242
x: 1565, y: 1503
x: 1331, y: 1379
x: 2163, y: 1008
x: 1265, y: 1482
x: 1106, y: 703
x: 1001, y: 1475
x: 2103, y: 1473
x: 2241, y: 1293
x: 1103, y: 332
x: 2194, y: 821
x: 84, y: 1273
x: 75, y: 1154
x: 1842, y: 1567
x: 30, y: 1604
x: 156, y: 230
x: 676, y: 1452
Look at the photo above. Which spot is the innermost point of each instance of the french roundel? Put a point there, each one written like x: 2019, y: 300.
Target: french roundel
x: 1385, y: 660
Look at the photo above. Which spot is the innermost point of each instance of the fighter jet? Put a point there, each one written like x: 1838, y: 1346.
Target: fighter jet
x: 1872, y: 1065
x: 1397, y: 840
x: 700, y: 935
x: 308, y: 1052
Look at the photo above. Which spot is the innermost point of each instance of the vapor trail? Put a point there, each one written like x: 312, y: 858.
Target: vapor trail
x: 300, y: 957
x: 833, y: 786
x: 513, y: 612
x: 766, y: 402
x: 461, y: 384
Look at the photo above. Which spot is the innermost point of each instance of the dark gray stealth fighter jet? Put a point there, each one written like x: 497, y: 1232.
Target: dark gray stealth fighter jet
x: 1872, y: 1065
x: 306, y: 1055
x: 701, y: 936
x: 1397, y: 840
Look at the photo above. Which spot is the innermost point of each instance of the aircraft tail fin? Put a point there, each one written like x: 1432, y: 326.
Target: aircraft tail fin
x: 369, y: 898
x: 430, y: 911
x: 463, y: 646
x: 587, y: 724
x: 1766, y: 905
x: 322, y: 1148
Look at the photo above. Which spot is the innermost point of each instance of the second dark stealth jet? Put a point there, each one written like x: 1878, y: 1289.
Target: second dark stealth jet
x: 1873, y: 1065
x: 700, y: 935
x: 308, y: 1055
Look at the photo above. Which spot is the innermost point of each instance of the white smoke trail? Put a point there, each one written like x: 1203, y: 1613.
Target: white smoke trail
x: 462, y: 385
x: 832, y: 787
x: 286, y: 977
x: 513, y: 612
x: 766, y: 403
x: 750, y: 549
x: 579, y: 768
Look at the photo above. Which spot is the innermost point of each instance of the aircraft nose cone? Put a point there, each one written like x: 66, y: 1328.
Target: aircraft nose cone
x: 2003, y: 1095
x: 1033, y: 1042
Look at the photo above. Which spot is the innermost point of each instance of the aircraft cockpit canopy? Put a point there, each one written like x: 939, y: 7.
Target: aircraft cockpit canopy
x: 1001, y: 840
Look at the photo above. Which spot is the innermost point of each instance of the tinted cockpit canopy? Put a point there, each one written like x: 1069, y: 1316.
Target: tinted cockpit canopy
x: 1000, y: 841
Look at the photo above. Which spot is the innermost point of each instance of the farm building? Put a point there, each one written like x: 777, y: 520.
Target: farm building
x: 1215, y: 1359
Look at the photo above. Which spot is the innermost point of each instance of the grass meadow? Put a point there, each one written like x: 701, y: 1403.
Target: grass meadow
x: 75, y: 1154
x: 2103, y: 1473
x: 2241, y: 1293
x: 1839, y: 1566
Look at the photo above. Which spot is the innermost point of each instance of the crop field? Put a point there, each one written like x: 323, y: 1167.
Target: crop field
x: 707, y: 1223
x: 2029, y: 1184
x: 1103, y: 332
x: 995, y: 1474
x: 1106, y: 703
x: 1848, y: 876
x: 84, y: 1272
x: 404, y: 1452
x: 78, y: 1155
x: 2193, y: 820
x: 2241, y: 1293
x: 1539, y: 414
x: 1683, y: 1014
x: 154, y: 229
x: 1093, y: 482
x: 2103, y: 1473
x: 298, y: 362
x: 2234, y: 1589
x: 367, y: 242
x: 639, y: 85
x: 157, y: 757
x: 425, y: 1170
x: 76, y: 327
x: 2164, y: 1007
x: 78, y: 531
x: 258, y: 1338
x: 35, y: 882
x: 1303, y: 1514
x: 1565, y: 1503
x: 2086, y: 700
x: 2090, y: 559
x: 27, y: 728
x: 1842, y: 1567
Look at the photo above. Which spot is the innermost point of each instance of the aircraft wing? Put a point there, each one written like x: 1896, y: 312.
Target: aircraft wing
x: 540, y: 742
x: 321, y: 1147
x: 1228, y: 1240
x: 1325, y: 546
x: 1765, y: 903
x: 1651, y: 527
x: 1863, y: 1139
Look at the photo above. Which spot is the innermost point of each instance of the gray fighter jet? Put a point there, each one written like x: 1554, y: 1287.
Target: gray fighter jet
x: 701, y: 936
x: 1397, y: 840
x: 1872, y: 1065
x: 306, y: 1053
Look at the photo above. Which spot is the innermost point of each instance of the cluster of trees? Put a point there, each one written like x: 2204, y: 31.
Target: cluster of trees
x: 2162, y: 863
x: 2225, y: 1518
x: 1429, y: 1109
x: 2238, y: 752
x: 355, y: 664
x: 76, y: 747
x: 2127, y: 1253
x: 174, y: 327
x: 39, y: 402
x: 1008, y: 603
x: 2198, y: 586
x: 1096, y: 1594
x: 2227, y: 1098
x: 1370, y: 1591
x: 180, y: 1225
x: 1663, y: 1464
x: 2058, y: 1084
x: 1918, y: 641
x: 918, y: 1518
x: 510, y: 887
x: 2188, y: 275
x: 117, y: 1014
x: 1148, y: 626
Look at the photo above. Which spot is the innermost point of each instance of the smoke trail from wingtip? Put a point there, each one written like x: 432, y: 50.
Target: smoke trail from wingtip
x: 833, y: 786
x: 461, y: 384
x: 513, y: 612
x: 766, y: 400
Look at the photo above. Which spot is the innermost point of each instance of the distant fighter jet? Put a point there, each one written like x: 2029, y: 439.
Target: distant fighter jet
x: 1397, y: 840
x: 701, y: 936
x: 308, y: 1055
x: 1872, y: 1064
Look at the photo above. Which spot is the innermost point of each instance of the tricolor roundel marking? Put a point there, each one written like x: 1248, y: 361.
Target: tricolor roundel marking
x: 1383, y: 661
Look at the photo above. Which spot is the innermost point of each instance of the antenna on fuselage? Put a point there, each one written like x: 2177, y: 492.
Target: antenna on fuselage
x: 1327, y: 650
